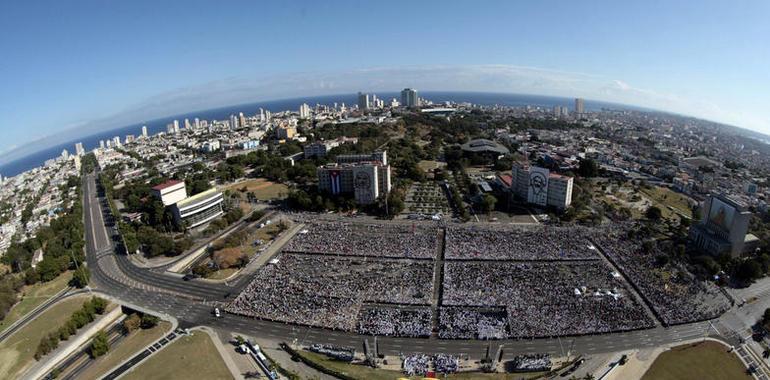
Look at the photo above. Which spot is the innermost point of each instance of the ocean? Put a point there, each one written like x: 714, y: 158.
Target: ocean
x: 159, y: 125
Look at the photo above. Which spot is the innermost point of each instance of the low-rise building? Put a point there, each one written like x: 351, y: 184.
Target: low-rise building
x: 199, y: 209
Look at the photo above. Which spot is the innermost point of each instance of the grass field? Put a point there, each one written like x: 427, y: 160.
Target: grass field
x: 665, y: 198
x: 33, y: 296
x: 188, y: 357
x: 702, y: 361
x: 129, y: 346
x: 17, y: 352
x: 428, y: 166
x: 367, y: 373
x: 262, y: 188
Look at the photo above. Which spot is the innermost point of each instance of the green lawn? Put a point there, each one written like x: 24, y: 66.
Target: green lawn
x: 367, y: 373
x: 188, y: 357
x: 665, y: 198
x: 262, y: 188
x: 17, y: 352
x: 33, y: 296
x: 127, y: 347
x: 702, y: 361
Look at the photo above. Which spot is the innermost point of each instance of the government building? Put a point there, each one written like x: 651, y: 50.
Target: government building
x: 190, y: 211
x: 539, y: 186
x: 365, y: 176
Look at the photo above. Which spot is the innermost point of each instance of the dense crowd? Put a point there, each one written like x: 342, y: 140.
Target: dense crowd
x: 392, y: 321
x: 446, y: 363
x: 497, y: 283
x: 467, y: 323
x: 417, y: 364
x: 673, y: 292
x: 328, y: 291
x: 545, y: 298
x: 377, y: 240
x: 340, y: 353
x: 526, y: 243
x: 531, y: 363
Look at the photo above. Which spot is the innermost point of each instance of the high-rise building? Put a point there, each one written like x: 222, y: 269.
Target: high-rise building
x: 723, y: 228
x: 170, y: 128
x: 394, y: 103
x: 79, y: 149
x: 101, y: 144
x: 539, y: 186
x: 176, y: 126
x: 144, y: 131
x: 366, y: 180
x: 241, y: 120
x: 304, y: 111
x: 262, y: 115
x: 196, y: 123
x: 233, y: 122
x: 65, y: 155
x: 409, y: 98
x: 116, y: 141
x: 187, y: 124
x: 129, y: 139
x: 363, y: 101
x: 557, y: 111
x: 579, y: 106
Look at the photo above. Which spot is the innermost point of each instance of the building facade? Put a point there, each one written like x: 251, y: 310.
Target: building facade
x: 723, y: 228
x: 539, y: 186
x: 170, y: 192
x: 409, y: 98
x: 199, y: 209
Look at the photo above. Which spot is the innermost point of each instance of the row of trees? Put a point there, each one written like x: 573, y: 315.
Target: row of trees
x: 85, y: 315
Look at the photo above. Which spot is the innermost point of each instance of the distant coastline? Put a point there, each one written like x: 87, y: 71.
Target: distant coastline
x: 38, y: 158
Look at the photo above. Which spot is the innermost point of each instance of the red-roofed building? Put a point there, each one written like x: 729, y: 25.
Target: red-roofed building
x: 170, y: 192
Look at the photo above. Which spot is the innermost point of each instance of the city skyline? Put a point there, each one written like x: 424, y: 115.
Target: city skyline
x: 121, y: 64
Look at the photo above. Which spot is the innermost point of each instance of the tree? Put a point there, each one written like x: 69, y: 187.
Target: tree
x: 488, y: 203
x: 653, y: 213
x: 133, y: 322
x: 81, y: 277
x: 100, y: 345
x: 749, y: 270
x: 588, y: 168
x: 149, y: 321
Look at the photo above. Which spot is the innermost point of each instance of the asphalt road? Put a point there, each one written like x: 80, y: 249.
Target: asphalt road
x: 191, y: 302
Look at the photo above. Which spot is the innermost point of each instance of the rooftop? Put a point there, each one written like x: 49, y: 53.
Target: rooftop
x: 484, y: 145
x: 198, y: 198
x: 166, y: 185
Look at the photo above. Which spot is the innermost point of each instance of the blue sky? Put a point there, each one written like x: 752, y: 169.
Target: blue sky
x: 69, y: 66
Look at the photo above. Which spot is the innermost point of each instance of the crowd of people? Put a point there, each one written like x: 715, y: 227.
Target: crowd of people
x: 416, y: 364
x: 546, y: 298
x: 525, y: 243
x: 446, y: 363
x: 414, y: 322
x: 469, y: 323
x: 340, y: 353
x: 674, y: 293
x: 377, y: 240
x: 420, y: 364
x: 328, y: 291
x: 531, y: 363
x: 497, y: 283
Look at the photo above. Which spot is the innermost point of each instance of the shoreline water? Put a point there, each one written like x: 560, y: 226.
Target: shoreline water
x: 90, y: 142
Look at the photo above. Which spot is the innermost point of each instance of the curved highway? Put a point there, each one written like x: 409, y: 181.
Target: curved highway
x: 191, y: 302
